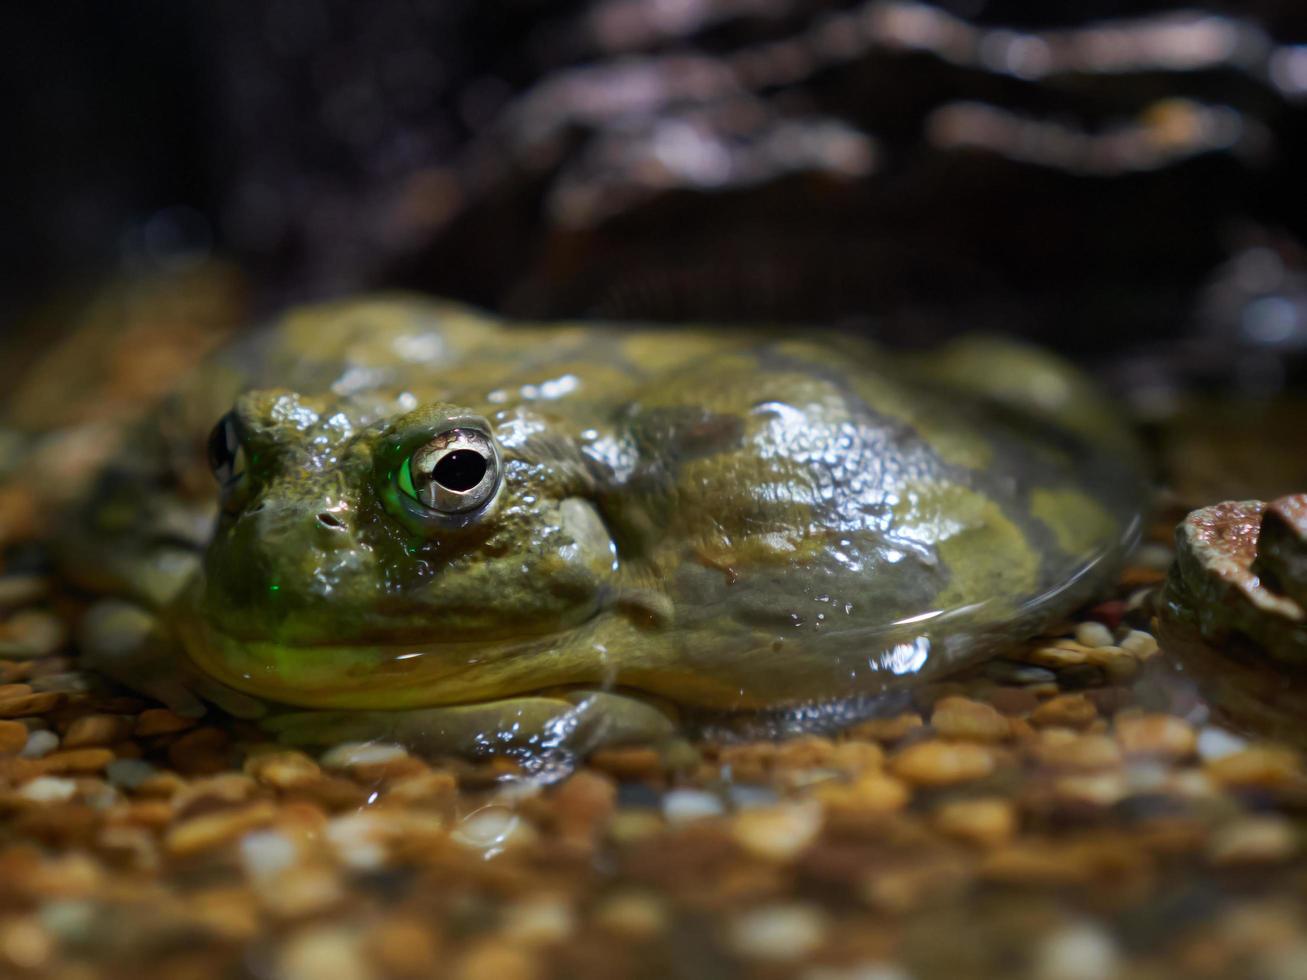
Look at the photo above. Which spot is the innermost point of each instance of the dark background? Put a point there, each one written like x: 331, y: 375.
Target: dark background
x: 329, y: 146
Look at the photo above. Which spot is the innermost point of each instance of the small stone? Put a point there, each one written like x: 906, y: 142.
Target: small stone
x: 285, y: 769
x: 887, y: 730
x: 267, y: 853
x: 1103, y: 789
x: 584, y: 803
x: 778, y: 932
x: 323, y: 953
x: 539, y: 922
x: 160, y: 721
x: 967, y: 720
x: 201, y: 751
x: 1060, y: 748
x: 986, y: 821
x: 1011, y: 672
x: 48, y: 789
x: 14, y: 737
x: 1059, y: 655
x: 940, y: 763
x: 908, y: 887
x: 491, y: 829
x: 1140, y: 644
x: 30, y: 634
x: 299, y: 892
x: 628, y: 762
x: 359, y: 840
x: 1160, y: 735
x: 856, y: 757
x: 129, y: 773
x: 95, y: 730
x: 493, y: 958
x: 214, y: 829
x: 872, y: 792
x: 349, y: 754
x: 1217, y: 743
x: 686, y: 805
x: 39, y: 743
x: 1065, y: 711
x: 36, y: 703
x: 25, y: 944
x: 76, y: 760
x: 1256, y: 767
x: 631, y: 915
x: 779, y: 833
x: 1265, y: 839
x: 22, y: 590
x: 1091, y: 634
x: 1077, y: 952
x: 405, y: 948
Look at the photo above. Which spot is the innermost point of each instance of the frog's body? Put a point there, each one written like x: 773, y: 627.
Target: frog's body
x: 727, y: 520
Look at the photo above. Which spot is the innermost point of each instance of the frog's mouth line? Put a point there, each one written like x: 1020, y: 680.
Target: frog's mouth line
x: 379, y: 676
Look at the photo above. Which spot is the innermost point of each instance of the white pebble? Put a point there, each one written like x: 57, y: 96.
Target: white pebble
x: 358, y: 840
x: 1093, y: 634
x: 1077, y: 952
x: 778, y: 932
x: 40, y: 743
x: 49, y: 789
x: 348, y: 754
x: 487, y: 829
x: 1140, y: 643
x: 1217, y: 743
x: 267, y: 853
x: 685, y: 805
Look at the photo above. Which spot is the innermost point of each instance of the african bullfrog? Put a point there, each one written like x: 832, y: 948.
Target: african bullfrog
x: 444, y: 528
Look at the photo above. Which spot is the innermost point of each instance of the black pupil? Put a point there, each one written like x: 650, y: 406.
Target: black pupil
x: 460, y: 470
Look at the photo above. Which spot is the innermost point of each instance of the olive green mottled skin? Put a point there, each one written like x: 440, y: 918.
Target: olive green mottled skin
x: 724, y: 519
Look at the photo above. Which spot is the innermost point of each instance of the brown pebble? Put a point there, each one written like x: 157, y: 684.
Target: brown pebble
x: 1060, y: 748
x: 986, y: 821
x: 13, y: 736
x: 888, y: 730
x: 584, y: 803
x: 855, y: 757
x: 1160, y: 735
x: 1263, y: 839
x: 20, y: 706
x: 91, y: 730
x: 405, y: 948
x: 201, y: 751
x: 161, y: 721
x: 210, y: 830
x: 872, y: 792
x: 1065, y: 710
x: 284, y: 769
x: 635, y: 762
x: 1258, y: 766
x: 940, y: 763
x: 31, y: 633
x: 1063, y: 653
x: 75, y: 760
x: 967, y: 720
x: 778, y: 833
x: 491, y: 958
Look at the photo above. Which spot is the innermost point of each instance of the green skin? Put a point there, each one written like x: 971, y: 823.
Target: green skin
x: 724, y: 521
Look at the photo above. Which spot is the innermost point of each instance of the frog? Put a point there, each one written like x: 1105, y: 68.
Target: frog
x: 1233, y: 611
x: 396, y: 516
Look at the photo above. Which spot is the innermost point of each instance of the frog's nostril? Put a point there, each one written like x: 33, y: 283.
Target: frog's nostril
x: 327, y: 519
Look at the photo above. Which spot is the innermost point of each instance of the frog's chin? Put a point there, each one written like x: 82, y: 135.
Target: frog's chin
x: 378, y: 676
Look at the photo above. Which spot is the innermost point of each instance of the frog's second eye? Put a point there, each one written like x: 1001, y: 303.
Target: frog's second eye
x: 226, y: 456
x: 456, y: 472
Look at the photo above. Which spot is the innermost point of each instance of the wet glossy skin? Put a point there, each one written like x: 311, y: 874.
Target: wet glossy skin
x: 724, y: 519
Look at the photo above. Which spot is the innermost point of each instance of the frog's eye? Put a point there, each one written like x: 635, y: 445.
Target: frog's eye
x: 226, y: 455
x: 456, y: 472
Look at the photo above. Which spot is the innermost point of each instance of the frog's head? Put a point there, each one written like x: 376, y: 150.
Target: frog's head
x: 367, y: 559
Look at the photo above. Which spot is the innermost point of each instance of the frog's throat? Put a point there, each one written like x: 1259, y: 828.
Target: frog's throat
x: 388, y: 677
